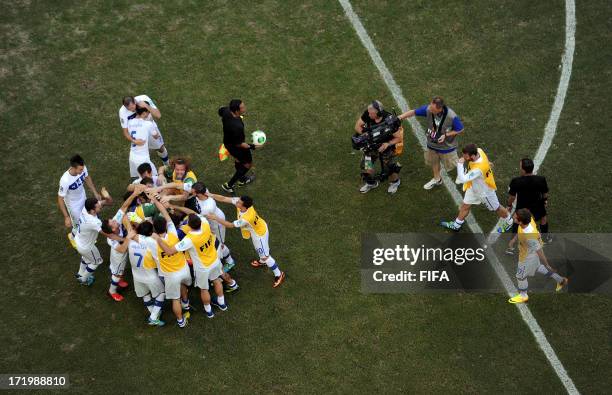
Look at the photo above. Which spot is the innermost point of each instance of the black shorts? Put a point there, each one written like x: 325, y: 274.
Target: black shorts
x: 241, y: 155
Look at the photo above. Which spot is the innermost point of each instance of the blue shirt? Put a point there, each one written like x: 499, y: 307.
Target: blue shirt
x: 422, y: 112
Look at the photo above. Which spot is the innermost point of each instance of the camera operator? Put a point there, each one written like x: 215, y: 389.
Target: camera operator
x: 372, y: 119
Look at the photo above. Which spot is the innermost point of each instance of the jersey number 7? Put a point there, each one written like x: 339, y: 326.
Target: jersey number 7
x: 139, y: 259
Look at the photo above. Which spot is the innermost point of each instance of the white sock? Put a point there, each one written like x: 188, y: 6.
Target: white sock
x: 232, y: 284
x: 163, y: 155
x: 508, y: 219
x: 459, y: 222
x: 114, y: 283
x: 184, y: 303
x: 147, y: 302
x: 523, y: 285
x: 227, y: 256
x: 221, y: 299
x: 83, y: 270
x: 157, y: 307
x: 271, y: 263
x: 207, y: 308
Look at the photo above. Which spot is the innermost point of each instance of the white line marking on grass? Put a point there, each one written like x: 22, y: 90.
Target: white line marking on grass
x: 505, y: 279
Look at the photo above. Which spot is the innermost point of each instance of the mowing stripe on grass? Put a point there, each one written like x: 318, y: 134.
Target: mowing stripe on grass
x: 566, y: 72
x: 396, y: 91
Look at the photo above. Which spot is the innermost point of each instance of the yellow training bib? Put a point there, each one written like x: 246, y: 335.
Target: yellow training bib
x: 524, y: 237
x: 204, y: 244
x: 485, y: 167
x: 255, y: 221
x: 174, y: 262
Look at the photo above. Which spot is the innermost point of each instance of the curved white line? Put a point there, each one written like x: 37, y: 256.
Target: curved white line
x: 505, y: 279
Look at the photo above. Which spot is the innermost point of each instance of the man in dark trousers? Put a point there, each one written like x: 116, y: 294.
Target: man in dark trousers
x: 531, y: 192
x: 233, y: 139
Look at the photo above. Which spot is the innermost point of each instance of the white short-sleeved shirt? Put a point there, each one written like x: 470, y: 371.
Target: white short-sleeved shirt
x: 87, y: 230
x: 137, y: 250
x: 125, y: 115
x: 118, y: 217
x: 142, y: 130
x: 209, y: 206
x: 72, y: 188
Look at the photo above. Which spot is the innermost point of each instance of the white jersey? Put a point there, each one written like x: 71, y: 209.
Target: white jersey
x: 137, y: 251
x: 140, y: 129
x: 125, y: 115
x: 209, y: 206
x: 87, y: 230
x: 116, y: 243
x: 72, y: 189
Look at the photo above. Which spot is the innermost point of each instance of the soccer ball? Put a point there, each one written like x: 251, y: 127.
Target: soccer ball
x: 259, y: 137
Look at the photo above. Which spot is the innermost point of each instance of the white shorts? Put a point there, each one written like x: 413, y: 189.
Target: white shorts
x: 74, y: 210
x: 528, y: 267
x: 156, y: 143
x: 219, y: 231
x: 137, y: 161
x: 117, y: 262
x: 261, y: 244
x: 90, y: 256
x: 150, y: 287
x: 489, y: 199
x: 173, y: 281
x: 203, y: 275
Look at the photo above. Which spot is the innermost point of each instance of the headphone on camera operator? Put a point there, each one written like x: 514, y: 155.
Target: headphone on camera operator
x: 376, y: 130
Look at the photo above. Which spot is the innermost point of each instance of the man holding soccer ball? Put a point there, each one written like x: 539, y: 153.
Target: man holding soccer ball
x: 234, y: 141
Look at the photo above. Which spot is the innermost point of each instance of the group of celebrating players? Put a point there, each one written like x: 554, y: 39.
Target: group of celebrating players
x: 169, y: 227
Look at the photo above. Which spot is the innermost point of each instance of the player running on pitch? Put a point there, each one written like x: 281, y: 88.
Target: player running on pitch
x: 128, y: 112
x: 479, y: 186
x: 531, y: 256
x: 254, y: 227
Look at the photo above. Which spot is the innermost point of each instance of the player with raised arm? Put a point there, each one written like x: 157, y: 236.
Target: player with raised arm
x: 147, y: 284
x: 118, y: 254
x: 200, y: 243
x: 479, y: 186
x: 181, y: 178
x: 531, y: 256
x: 141, y: 129
x: 254, y: 227
x: 128, y: 111
x: 86, y: 234
x: 172, y: 267
x: 231, y: 284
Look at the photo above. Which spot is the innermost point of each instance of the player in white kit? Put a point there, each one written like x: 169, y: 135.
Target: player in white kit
x: 71, y: 195
x: 141, y: 130
x: 86, y: 234
x: 128, y: 111
x: 147, y: 283
x: 118, y: 252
